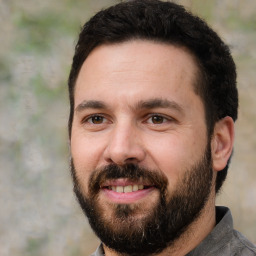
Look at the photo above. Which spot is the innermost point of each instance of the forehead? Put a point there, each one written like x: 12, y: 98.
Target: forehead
x: 135, y: 68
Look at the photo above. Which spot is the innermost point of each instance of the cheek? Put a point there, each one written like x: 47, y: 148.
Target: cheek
x: 174, y: 154
x: 85, y: 153
x: 86, y: 149
x: 169, y: 158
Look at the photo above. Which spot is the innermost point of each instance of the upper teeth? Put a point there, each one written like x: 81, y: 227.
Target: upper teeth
x: 126, y: 189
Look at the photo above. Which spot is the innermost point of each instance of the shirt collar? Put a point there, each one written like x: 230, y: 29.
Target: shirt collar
x: 219, y: 236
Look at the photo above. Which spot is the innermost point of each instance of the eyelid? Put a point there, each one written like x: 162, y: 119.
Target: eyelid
x: 86, y: 118
x: 168, y: 118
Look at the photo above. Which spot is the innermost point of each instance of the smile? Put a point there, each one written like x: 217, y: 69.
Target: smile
x: 126, y: 189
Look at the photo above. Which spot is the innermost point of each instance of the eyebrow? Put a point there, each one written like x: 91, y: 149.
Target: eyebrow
x: 143, y: 104
x: 159, y: 103
x: 90, y: 104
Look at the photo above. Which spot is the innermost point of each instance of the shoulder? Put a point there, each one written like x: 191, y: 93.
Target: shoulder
x: 99, y: 251
x: 240, y: 245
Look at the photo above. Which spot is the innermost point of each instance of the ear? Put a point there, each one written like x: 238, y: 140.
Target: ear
x: 222, y: 142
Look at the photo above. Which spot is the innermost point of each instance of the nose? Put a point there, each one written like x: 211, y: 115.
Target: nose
x: 124, y: 145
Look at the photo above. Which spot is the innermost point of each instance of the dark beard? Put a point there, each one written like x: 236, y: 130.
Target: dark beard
x: 160, y: 227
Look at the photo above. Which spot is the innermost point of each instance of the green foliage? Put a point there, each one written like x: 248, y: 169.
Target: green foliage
x: 234, y: 21
x: 5, y: 73
x: 35, y: 246
x: 36, y: 33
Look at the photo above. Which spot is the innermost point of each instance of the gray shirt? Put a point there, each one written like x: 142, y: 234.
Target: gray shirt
x: 223, y: 240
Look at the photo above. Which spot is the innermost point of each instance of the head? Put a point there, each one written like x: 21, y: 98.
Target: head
x: 168, y: 23
x: 170, y: 43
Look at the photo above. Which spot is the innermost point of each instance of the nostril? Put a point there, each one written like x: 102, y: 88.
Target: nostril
x: 110, y: 161
x: 131, y: 160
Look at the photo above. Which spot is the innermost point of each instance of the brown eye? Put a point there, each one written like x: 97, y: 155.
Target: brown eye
x: 96, y: 120
x: 157, y: 119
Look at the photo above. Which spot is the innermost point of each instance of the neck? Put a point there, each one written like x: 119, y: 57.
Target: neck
x: 194, y: 235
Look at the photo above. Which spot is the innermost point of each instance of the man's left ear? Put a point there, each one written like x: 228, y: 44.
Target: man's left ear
x: 222, y: 142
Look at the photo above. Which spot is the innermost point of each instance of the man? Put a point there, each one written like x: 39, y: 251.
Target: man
x: 153, y: 102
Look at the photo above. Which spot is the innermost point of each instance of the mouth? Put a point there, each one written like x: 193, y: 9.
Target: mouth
x: 125, y: 192
x: 127, y: 189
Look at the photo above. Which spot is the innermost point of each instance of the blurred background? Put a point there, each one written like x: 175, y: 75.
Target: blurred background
x: 39, y: 215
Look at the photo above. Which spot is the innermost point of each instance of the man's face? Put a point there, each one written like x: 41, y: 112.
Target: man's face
x: 139, y: 138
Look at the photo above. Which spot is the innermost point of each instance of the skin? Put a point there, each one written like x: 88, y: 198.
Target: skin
x: 169, y: 135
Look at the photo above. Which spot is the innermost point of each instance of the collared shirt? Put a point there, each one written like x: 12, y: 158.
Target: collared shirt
x: 222, y: 241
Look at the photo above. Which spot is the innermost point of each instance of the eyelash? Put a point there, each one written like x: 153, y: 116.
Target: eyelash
x: 147, y: 119
x: 90, y: 117
x: 164, y: 118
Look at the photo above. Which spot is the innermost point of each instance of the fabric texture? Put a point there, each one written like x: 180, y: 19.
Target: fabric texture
x: 222, y: 241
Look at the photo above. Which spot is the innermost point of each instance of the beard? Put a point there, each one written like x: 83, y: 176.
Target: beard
x: 132, y: 230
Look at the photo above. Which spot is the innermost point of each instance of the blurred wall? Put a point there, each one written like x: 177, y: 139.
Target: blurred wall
x: 39, y: 214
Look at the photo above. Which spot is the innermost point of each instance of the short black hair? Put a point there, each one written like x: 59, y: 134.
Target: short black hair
x: 169, y: 23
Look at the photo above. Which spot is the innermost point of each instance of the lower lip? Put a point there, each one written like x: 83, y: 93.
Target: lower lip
x: 126, y: 198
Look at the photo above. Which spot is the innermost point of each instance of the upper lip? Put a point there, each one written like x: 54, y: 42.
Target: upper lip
x: 124, y: 182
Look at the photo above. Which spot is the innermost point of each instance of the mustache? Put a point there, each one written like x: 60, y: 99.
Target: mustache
x: 132, y: 172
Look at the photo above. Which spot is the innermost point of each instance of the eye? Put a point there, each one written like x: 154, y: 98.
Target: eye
x: 157, y: 119
x: 95, y: 119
